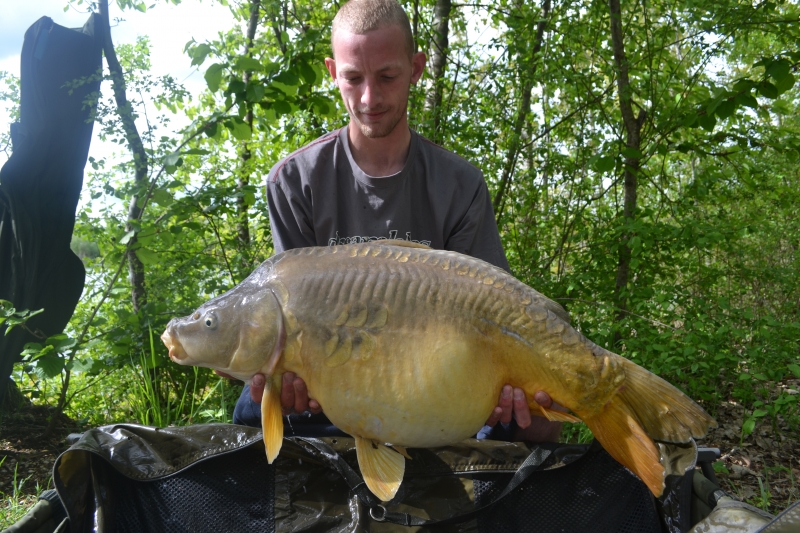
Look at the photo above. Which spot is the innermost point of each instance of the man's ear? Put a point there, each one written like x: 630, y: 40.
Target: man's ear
x: 330, y: 63
x: 417, y: 66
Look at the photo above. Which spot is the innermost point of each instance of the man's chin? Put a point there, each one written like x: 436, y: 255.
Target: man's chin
x: 376, y: 131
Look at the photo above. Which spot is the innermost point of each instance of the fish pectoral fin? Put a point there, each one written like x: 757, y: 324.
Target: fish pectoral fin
x: 381, y: 467
x: 272, y: 417
x: 554, y: 415
x: 402, y: 451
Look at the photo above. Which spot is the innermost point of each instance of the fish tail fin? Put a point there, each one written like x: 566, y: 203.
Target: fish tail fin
x: 665, y: 413
x: 626, y: 441
x: 272, y: 417
x: 645, y: 407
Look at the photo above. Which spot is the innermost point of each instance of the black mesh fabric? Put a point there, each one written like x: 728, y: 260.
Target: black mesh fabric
x: 593, y: 494
x: 236, y: 492
x: 232, y: 492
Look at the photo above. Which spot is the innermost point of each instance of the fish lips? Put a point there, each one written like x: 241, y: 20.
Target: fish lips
x: 176, y: 351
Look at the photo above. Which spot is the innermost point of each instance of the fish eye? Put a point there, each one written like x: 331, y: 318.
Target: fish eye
x: 210, y: 320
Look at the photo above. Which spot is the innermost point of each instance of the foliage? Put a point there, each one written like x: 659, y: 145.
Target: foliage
x: 10, y: 317
x: 711, y: 302
x: 15, y: 505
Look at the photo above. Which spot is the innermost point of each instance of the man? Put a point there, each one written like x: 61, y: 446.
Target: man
x: 376, y: 179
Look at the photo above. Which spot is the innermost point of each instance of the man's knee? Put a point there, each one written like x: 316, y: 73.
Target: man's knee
x: 247, y: 412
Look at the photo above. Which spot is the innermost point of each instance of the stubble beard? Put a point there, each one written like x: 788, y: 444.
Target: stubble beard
x: 377, y: 131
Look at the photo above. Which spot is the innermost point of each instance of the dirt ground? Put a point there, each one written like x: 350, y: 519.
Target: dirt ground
x: 764, y: 469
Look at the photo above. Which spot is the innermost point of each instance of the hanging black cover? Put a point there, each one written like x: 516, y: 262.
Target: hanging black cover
x: 41, y: 182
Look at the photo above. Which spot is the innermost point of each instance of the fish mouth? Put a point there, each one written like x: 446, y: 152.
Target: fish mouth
x: 176, y: 351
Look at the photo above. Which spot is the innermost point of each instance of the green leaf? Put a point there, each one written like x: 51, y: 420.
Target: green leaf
x: 758, y: 413
x: 707, y: 122
x: 172, y: 159
x: 719, y: 467
x: 248, y: 63
x: 795, y: 369
x: 308, y: 74
x: 127, y: 237
x: 786, y: 83
x: 60, y: 342
x: 747, y: 100
x: 147, y: 257
x: 196, y: 151
x: 255, y: 93
x: 604, y: 164
x: 241, y: 131
x: 199, y: 54
x: 767, y: 90
x: 51, y: 365
x: 725, y: 108
x: 743, y: 85
x: 213, y: 77
x: 631, y: 153
x: 778, y: 69
x: 288, y: 90
x: 162, y: 197
x: 288, y: 77
x: 748, y: 426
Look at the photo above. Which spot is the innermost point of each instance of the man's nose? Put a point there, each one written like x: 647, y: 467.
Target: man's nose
x: 372, y: 95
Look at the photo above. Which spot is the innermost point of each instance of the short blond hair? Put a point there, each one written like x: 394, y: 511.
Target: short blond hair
x: 362, y: 16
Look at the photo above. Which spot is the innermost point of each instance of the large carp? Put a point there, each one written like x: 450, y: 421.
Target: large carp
x: 409, y: 346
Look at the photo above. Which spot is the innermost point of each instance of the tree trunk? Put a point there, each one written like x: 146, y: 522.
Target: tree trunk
x: 526, y: 73
x: 633, y: 127
x: 243, y: 180
x: 439, y: 43
x: 140, y: 161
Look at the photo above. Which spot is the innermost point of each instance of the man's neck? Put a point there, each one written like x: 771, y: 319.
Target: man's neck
x: 382, y: 156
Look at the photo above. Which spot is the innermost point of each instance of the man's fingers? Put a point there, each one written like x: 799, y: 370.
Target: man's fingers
x: 521, y: 411
x: 257, y: 387
x: 506, y: 404
x: 300, y: 395
x: 494, y: 418
x: 314, y: 406
x: 287, y: 392
x: 543, y: 399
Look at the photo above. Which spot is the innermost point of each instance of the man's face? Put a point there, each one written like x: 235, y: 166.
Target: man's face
x: 374, y: 73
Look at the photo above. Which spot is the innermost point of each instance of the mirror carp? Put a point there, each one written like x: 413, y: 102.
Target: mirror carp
x: 405, y: 346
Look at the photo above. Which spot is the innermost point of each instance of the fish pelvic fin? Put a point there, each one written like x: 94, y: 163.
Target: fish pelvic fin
x: 381, y: 467
x: 625, y: 440
x: 272, y: 417
x: 665, y: 413
x: 554, y: 415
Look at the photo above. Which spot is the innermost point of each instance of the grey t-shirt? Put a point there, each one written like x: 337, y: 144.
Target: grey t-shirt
x: 318, y: 196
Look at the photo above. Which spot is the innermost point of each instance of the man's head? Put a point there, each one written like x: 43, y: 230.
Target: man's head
x: 374, y: 64
x: 363, y: 16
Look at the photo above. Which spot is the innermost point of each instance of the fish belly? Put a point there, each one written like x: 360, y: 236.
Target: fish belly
x: 412, y: 390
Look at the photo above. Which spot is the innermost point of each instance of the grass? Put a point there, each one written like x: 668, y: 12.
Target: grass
x: 14, y: 506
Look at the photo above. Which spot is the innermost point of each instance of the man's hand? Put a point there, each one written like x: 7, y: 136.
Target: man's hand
x: 513, y: 402
x: 294, y: 394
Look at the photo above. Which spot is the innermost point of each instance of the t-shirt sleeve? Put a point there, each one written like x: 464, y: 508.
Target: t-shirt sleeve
x: 476, y: 234
x: 289, y: 218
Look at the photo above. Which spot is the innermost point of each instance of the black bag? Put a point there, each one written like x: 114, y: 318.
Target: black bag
x: 129, y: 478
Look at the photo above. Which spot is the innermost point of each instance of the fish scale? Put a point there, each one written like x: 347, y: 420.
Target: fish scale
x: 410, y: 346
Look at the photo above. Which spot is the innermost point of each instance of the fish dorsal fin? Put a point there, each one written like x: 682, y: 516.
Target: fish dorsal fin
x: 272, y: 417
x: 381, y: 467
x: 407, y: 244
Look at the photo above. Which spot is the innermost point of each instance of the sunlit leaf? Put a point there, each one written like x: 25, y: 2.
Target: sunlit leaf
x: 213, y: 77
x: 147, y: 257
